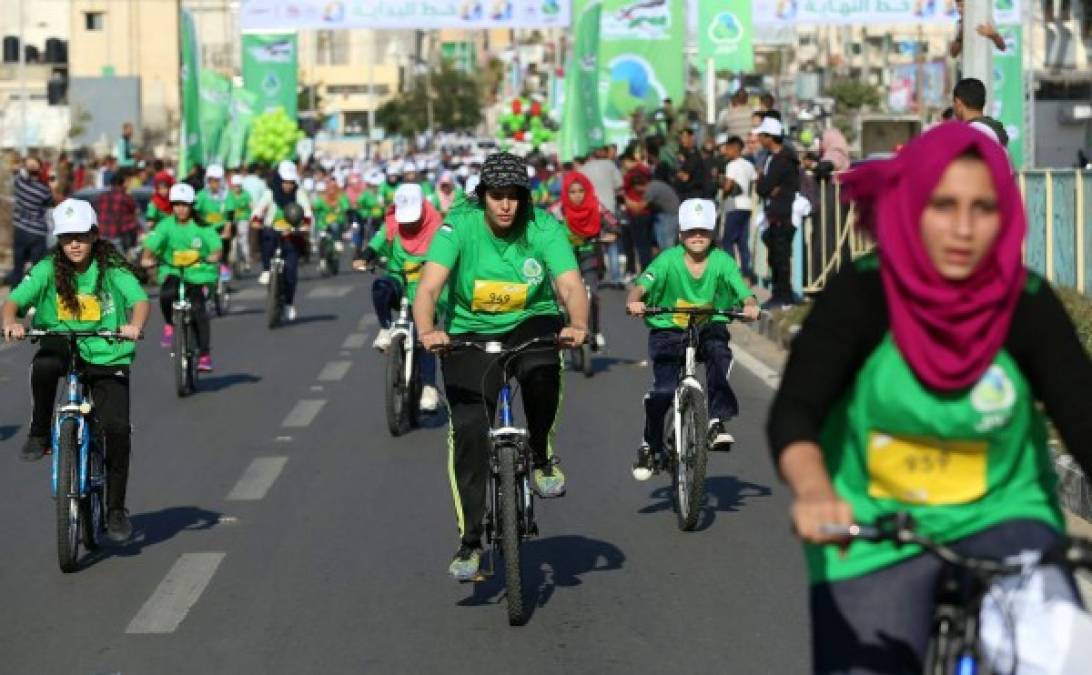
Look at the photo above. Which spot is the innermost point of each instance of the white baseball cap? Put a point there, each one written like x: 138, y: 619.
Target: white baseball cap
x: 697, y: 214
x: 288, y: 172
x: 722, y: 139
x: 215, y: 171
x: 375, y: 178
x: 770, y: 127
x: 408, y: 203
x: 472, y: 185
x: 409, y: 167
x: 181, y: 192
x: 73, y: 216
x: 394, y: 170
x: 320, y: 186
x: 236, y: 180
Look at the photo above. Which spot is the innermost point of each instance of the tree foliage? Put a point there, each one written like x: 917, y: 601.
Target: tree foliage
x: 456, y: 102
x: 850, y: 94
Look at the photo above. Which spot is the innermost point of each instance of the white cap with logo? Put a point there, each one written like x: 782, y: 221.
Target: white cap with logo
x: 770, y: 127
x: 181, y: 192
x: 73, y: 216
x: 697, y: 214
x: 215, y: 171
x: 236, y: 180
x: 287, y: 171
x: 408, y: 203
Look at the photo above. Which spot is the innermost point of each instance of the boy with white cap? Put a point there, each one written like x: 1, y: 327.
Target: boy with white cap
x: 239, y: 208
x: 269, y: 216
x: 692, y: 274
x: 214, y: 209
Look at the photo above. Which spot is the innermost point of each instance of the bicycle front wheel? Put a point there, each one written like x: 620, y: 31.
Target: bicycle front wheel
x: 688, y: 478
x: 509, y: 534
x: 92, y: 507
x: 181, y: 356
x: 68, y: 498
x: 398, y: 408
x: 273, y: 299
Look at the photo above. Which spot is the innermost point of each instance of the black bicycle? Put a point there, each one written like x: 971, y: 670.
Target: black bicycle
x: 328, y: 258
x: 954, y: 643
x: 274, y: 296
x: 184, y: 349
x: 403, y: 390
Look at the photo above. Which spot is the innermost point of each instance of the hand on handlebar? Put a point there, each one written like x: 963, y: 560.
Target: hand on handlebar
x: 572, y: 337
x: 635, y: 308
x: 435, y: 341
x: 14, y: 331
x: 129, y: 332
x: 752, y: 312
x: 812, y: 512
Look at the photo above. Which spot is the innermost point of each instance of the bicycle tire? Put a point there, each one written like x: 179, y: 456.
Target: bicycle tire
x: 688, y: 477
x: 67, y: 501
x: 334, y: 263
x: 273, y: 299
x: 181, y: 356
x: 191, y: 355
x: 397, y: 414
x: 576, y: 357
x: 510, y: 535
x: 92, y: 507
x: 413, y: 397
x: 586, y: 358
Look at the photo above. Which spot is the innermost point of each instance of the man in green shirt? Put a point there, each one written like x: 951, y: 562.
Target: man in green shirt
x: 691, y: 274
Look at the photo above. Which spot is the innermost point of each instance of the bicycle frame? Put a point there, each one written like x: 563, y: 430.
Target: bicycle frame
x: 403, y: 326
x: 77, y: 407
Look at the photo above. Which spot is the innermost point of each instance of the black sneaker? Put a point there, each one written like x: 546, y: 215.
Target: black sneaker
x: 35, y: 448
x: 643, y: 467
x: 719, y: 439
x: 118, y: 527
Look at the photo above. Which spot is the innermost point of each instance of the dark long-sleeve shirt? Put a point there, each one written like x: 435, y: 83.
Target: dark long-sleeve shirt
x: 32, y: 198
x: 778, y: 183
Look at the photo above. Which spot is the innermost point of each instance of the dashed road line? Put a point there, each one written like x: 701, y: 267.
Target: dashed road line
x: 327, y: 292
x: 257, y: 479
x: 176, y: 594
x: 304, y: 413
x: 354, y: 341
x: 249, y: 294
x: 334, y: 371
x: 770, y: 377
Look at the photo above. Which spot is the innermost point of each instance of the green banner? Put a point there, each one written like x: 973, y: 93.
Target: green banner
x: 233, y: 142
x: 215, y: 102
x: 1008, y: 91
x: 641, y: 60
x: 192, y: 151
x: 581, y: 118
x: 270, y: 65
x: 724, y: 35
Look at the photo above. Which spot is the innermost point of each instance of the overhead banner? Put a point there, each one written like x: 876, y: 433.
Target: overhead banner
x: 581, y: 118
x: 215, y: 92
x: 725, y: 32
x: 402, y: 14
x: 641, y: 60
x: 270, y: 65
x: 192, y: 150
x: 847, y: 12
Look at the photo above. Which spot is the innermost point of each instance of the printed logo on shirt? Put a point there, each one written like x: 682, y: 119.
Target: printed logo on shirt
x: 994, y: 397
x: 195, y: 243
x: 532, y: 271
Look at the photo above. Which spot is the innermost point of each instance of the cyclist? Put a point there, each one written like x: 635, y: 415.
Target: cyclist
x: 159, y: 206
x: 85, y: 284
x: 693, y: 273
x: 499, y: 254
x: 447, y: 193
x: 269, y: 215
x: 185, y: 248
x: 214, y: 207
x: 331, y: 209
x: 240, y: 216
x: 386, y: 190
x: 913, y: 387
x: 403, y: 241
x: 370, y: 207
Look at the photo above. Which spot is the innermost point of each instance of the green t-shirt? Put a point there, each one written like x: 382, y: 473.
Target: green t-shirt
x: 239, y: 205
x: 957, y: 462
x: 497, y: 283
x: 154, y: 214
x: 370, y: 204
x: 326, y: 216
x: 386, y: 192
x: 668, y: 283
x: 214, y: 211
x: 107, y: 311
x: 177, y: 245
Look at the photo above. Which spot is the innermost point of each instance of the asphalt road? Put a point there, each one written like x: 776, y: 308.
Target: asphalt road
x: 280, y: 529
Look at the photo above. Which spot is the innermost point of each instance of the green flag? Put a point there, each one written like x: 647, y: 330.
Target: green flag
x: 192, y: 151
x: 215, y: 99
x: 581, y: 119
x: 1008, y: 91
x: 641, y: 60
x: 724, y: 35
x: 269, y: 70
x: 233, y: 142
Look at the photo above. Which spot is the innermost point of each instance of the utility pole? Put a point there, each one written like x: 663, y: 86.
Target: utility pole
x: 22, y: 83
x: 977, y: 50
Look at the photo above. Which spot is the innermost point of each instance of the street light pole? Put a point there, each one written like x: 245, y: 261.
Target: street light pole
x: 22, y: 83
x: 977, y: 50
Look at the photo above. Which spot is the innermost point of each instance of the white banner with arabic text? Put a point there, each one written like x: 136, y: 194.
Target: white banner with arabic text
x: 261, y: 15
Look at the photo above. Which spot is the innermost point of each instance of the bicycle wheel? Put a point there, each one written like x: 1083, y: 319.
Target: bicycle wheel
x: 273, y: 299
x: 509, y: 534
x: 191, y: 355
x: 68, y: 499
x: 577, y: 359
x: 586, y: 358
x: 92, y: 506
x: 181, y: 356
x: 688, y: 477
x: 333, y: 262
x: 397, y: 410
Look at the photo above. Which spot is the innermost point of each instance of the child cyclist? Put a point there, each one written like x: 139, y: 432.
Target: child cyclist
x: 240, y: 217
x: 159, y: 206
x: 214, y: 206
x: 184, y: 248
x: 692, y: 274
x: 84, y: 284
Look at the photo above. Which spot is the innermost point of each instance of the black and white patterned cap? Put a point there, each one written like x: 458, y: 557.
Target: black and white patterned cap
x: 503, y: 169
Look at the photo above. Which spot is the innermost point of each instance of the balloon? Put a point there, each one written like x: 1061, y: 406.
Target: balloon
x: 536, y: 109
x: 519, y: 135
x: 517, y: 106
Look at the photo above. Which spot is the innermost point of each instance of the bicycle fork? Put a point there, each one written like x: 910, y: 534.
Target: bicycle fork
x: 75, y: 408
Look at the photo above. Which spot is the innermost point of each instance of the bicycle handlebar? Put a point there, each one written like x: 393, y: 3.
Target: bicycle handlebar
x: 495, y: 347
x: 695, y: 311
x: 108, y: 334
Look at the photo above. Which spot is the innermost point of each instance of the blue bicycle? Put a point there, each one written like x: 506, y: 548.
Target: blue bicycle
x: 79, y: 465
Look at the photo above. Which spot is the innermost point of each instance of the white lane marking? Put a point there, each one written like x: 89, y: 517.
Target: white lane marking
x: 249, y: 294
x: 354, y: 341
x: 1084, y: 585
x: 326, y: 292
x: 770, y: 377
x: 283, y: 439
x: 304, y: 413
x: 257, y: 479
x: 176, y: 594
x: 334, y: 371
x: 346, y: 353
x: 317, y: 387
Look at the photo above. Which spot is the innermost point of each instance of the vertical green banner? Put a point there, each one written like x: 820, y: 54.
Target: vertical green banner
x: 581, y: 118
x: 233, y: 142
x: 641, y: 59
x: 270, y: 66
x: 191, y: 151
x: 724, y: 35
x: 215, y: 92
x: 1008, y: 91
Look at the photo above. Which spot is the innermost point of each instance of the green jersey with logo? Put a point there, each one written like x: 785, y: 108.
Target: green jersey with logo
x: 107, y: 310
x: 496, y: 283
x: 214, y: 210
x: 669, y: 283
x: 330, y: 216
x: 185, y: 246
x: 386, y: 192
x: 154, y: 214
x: 239, y: 205
x: 370, y: 204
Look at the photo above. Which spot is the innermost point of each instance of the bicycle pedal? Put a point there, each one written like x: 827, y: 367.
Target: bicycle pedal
x: 479, y: 577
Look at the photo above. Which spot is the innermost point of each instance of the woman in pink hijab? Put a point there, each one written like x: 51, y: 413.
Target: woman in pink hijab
x: 913, y: 388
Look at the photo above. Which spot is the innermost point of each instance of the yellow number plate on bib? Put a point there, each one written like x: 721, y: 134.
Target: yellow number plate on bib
x: 281, y: 225
x: 214, y: 218
x: 331, y: 218
x: 90, y: 309
x: 930, y: 471
x: 680, y: 320
x: 412, y: 271
x: 499, y: 296
x: 184, y: 258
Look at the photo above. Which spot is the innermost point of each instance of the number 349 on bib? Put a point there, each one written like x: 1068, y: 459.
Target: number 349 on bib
x: 498, y: 296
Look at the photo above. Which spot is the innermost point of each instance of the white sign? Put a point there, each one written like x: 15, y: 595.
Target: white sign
x: 869, y: 12
x: 402, y: 14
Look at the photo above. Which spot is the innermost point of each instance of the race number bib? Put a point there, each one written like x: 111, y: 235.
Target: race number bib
x: 90, y: 309
x: 281, y: 225
x: 331, y: 218
x: 496, y: 297
x: 412, y: 271
x: 214, y: 218
x: 185, y: 258
x: 930, y: 471
x: 681, y: 320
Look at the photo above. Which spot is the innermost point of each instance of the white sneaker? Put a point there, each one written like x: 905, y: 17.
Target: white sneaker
x: 383, y: 340
x: 263, y: 278
x: 430, y: 398
x: 721, y: 438
x: 290, y: 313
x: 338, y: 246
x: 600, y: 341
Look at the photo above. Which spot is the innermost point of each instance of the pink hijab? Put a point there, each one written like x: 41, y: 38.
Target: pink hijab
x: 949, y: 332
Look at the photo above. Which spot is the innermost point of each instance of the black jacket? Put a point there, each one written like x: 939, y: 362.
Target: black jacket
x: 779, y: 182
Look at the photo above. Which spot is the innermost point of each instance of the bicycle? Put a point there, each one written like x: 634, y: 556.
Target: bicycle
x: 510, y: 513
x: 954, y: 643
x: 79, y: 466
x: 686, y: 445
x: 221, y: 296
x: 581, y: 357
x: 184, y: 350
x: 328, y: 258
x: 403, y: 390
x: 274, y: 297
x: 240, y: 250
